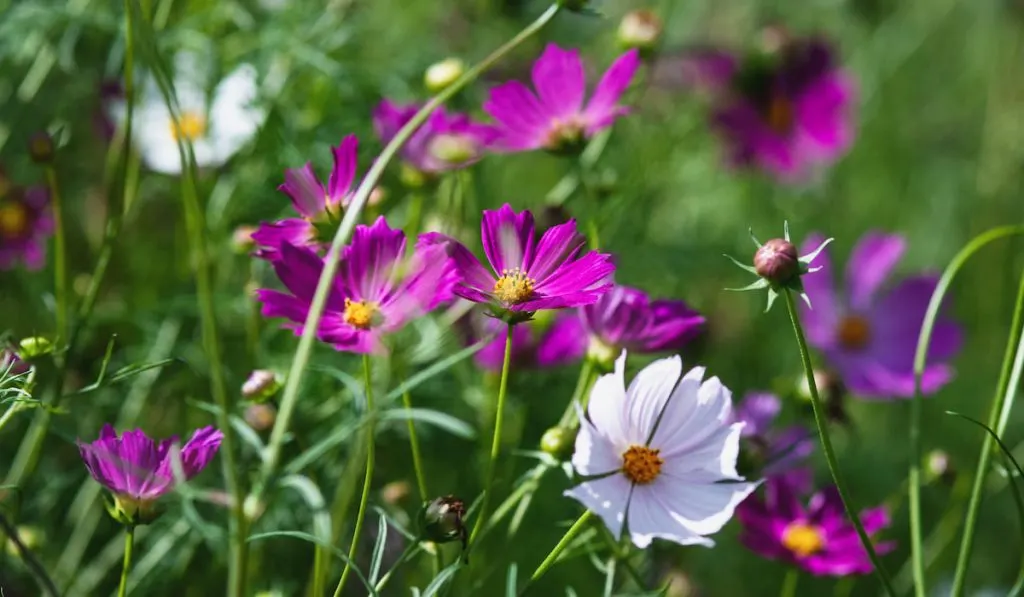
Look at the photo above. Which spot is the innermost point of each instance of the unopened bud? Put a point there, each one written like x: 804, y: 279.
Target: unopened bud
x: 40, y: 148
x: 377, y: 196
x: 442, y: 74
x: 395, y: 492
x: 34, y: 347
x: 261, y: 385
x: 241, y: 239
x: 260, y: 417
x: 558, y: 441
x: 938, y: 467
x: 29, y: 536
x: 777, y: 261
x: 640, y: 29
x: 441, y: 520
x: 253, y: 507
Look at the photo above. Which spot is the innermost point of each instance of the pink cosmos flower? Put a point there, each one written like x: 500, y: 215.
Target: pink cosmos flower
x: 317, y: 205
x: 25, y: 224
x: 444, y: 142
x: 868, y: 335
x: 375, y: 292
x: 555, y: 118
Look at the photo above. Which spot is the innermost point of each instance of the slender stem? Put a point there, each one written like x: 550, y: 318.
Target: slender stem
x: 129, y: 541
x: 414, y: 446
x: 415, y: 214
x: 564, y: 542
x: 1003, y: 392
x: 586, y: 379
x: 412, y: 548
x: 348, y: 223
x: 492, y: 463
x: 367, y: 480
x: 29, y: 558
x: 789, y: 583
x: 826, y: 445
x: 10, y: 412
x: 60, y: 268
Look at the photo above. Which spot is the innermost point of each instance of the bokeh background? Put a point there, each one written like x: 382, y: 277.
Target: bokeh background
x: 938, y: 157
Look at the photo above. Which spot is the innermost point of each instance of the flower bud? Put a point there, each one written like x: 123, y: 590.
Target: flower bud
x: 441, y: 520
x: 260, y: 417
x: 395, y: 492
x: 261, y: 385
x: 442, y: 74
x: 241, y: 239
x: 34, y: 347
x: 377, y: 196
x: 777, y: 261
x: 937, y: 467
x: 640, y: 29
x: 253, y: 507
x: 558, y: 441
x: 11, y: 364
x: 40, y: 148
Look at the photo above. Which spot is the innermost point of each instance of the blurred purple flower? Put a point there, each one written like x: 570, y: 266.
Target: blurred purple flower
x: 25, y: 224
x: 868, y: 336
x: 783, y: 112
x: 533, y: 345
x: 528, y: 275
x: 375, y: 292
x: 11, y: 364
x: 311, y: 200
x: 776, y: 450
x: 444, y: 142
x: 139, y: 470
x: 817, y: 538
x: 626, y: 318
x: 555, y: 118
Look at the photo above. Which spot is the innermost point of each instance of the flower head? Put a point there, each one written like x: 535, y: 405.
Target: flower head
x: 528, y: 275
x: 772, y: 450
x: 817, y: 538
x: 444, y: 142
x: 318, y: 206
x: 375, y: 292
x: 217, y: 126
x: 555, y: 118
x: 869, y: 335
x: 665, y: 452
x: 25, y: 225
x: 139, y: 470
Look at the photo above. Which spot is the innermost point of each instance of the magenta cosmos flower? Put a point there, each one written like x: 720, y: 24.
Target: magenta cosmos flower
x: 783, y: 112
x: 375, y: 292
x: 139, y: 470
x: 25, y: 224
x: 444, y: 142
x: 319, y: 206
x: 869, y: 336
x: 529, y: 275
x: 555, y: 117
x: 772, y: 449
x: 817, y: 538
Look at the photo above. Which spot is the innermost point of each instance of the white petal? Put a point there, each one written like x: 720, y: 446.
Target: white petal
x: 649, y: 519
x: 233, y: 118
x: 701, y: 506
x: 647, y: 396
x: 607, y: 406
x: 693, y: 416
x: 595, y: 454
x: 607, y: 497
x: 716, y: 454
x: 679, y: 411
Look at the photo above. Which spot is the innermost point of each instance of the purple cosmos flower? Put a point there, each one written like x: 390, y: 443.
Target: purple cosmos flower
x: 660, y: 454
x: 528, y: 275
x: 139, y: 470
x: 444, y: 142
x: 25, y: 224
x: 783, y: 112
x: 777, y: 450
x: 534, y: 345
x: 11, y: 364
x: 316, y: 204
x: 376, y: 290
x: 818, y: 538
x: 870, y: 336
x: 555, y: 118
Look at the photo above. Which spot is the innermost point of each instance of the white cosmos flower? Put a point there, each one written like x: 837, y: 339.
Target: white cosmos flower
x: 661, y: 455
x: 217, y: 126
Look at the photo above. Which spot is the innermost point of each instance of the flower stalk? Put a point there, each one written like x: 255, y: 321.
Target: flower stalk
x: 129, y: 541
x: 549, y: 561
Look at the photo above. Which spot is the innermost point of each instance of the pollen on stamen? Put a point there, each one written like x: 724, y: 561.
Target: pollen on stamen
x: 514, y: 287
x: 641, y: 464
x: 360, y: 314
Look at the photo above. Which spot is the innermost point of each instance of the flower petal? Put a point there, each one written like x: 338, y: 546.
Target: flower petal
x: 603, y: 104
x: 305, y: 190
x: 819, y: 321
x: 339, y: 186
x: 647, y: 396
x: 507, y: 238
x: 560, y: 82
x: 870, y: 264
x: 607, y: 497
x: 650, y: 518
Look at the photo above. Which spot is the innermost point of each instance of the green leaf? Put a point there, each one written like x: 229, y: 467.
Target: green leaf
x: 325, y: 445
x: 438, y: 368
x: 510, y: 580
x: 247, y: 433
x: 442, y: 579
x: 456, y: 427
x: 378, y: 549
x: 120, y: 375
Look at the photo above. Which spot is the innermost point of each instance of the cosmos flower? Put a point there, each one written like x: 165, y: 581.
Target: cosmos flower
x: 444, y: 142
x: 139, y: 470
x: 785, y: 111
x: 818, y: 538
x: 376, y: 290
x: 554, y: 118
x: 534, y: 344
x: 869, y: 335
x: 774, y: 450
x: 217, y: 126
x: 25, y: 224
x: 660, y: 456
x: 529, y: 275
x: 318, y: 206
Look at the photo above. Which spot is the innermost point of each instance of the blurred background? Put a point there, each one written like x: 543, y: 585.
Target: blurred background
x: 938, y: 156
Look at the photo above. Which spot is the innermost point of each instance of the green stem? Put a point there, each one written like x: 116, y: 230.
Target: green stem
x: 414, y: 446
x: 821, y: 421
x: 492, y: 463
x: 580, y: 395
x: 415, y: 215
x: 129, y: 540
x: 789, y: 583
x: 367, y: 480
x: 1003, y: 394
x: 60, y: 268
x: 348, y: 223
x: 564, y: 542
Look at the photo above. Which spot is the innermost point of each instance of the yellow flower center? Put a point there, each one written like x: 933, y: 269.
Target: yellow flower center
x: 514, y: 287
x: 360, y: 314
x: 780, y: 114
x: 641, y: 464
x: 190, y: 126
x: 854, y: 332
x: 13, y: 219
x: 803, y: 539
